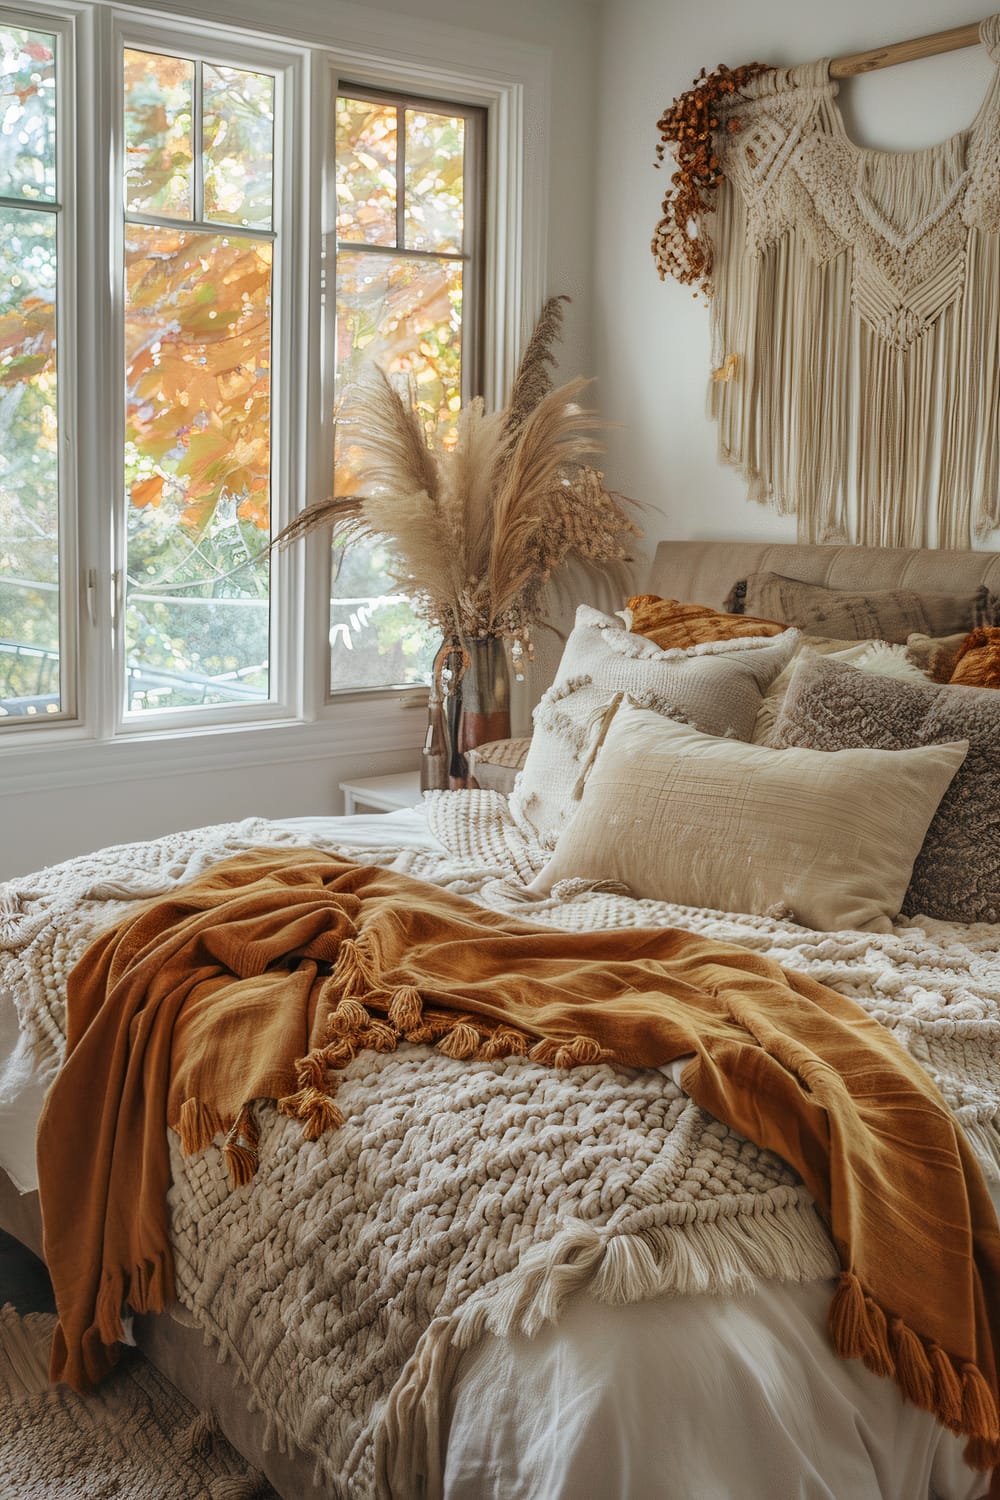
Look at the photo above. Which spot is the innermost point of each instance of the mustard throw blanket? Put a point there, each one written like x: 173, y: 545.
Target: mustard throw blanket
x: 264, y: 976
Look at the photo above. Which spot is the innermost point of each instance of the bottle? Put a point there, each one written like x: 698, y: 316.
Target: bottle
x: 436, y: 754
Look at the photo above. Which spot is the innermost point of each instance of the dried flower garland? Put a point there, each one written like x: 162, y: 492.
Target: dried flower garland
x: 687, y: 128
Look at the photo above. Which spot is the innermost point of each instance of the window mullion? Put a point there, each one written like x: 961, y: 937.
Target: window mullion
x: 400, y: 177
x: 96, y: 332
x: 197, y: 144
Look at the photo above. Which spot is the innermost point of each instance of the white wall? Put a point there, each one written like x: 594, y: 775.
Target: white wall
x: 89, y: 808
x: 651, y: 337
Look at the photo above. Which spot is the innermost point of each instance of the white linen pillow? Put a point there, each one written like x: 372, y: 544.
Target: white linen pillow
x: 717, y: 686
x: 827, y: 836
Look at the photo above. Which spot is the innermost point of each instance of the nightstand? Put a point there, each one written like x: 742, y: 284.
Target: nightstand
x: 382, y: 793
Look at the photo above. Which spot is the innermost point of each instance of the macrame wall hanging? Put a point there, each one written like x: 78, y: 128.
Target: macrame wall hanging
x: 855, y: 304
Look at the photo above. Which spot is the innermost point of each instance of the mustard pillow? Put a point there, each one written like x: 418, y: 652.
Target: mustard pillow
x: 978, y: 661
x: 670, y: 622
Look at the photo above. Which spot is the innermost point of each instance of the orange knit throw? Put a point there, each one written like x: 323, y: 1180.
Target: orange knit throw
x: 269, y: 973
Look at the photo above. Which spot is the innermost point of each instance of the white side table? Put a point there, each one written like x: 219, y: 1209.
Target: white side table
x: 382, y: 793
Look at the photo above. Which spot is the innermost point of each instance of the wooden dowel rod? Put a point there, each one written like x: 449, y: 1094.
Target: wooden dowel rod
x: 900, y: 52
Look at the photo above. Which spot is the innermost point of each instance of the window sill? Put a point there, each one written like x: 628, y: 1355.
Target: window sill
x: 352, y: 727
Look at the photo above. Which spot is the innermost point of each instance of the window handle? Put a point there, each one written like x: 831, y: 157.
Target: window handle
x: 92, y: 596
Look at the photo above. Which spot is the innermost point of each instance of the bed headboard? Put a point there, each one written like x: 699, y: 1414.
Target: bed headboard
x: 704, y: 572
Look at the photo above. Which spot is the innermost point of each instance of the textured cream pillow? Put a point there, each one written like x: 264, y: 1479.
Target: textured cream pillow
x: 829, y: 837
x: 717, y: 686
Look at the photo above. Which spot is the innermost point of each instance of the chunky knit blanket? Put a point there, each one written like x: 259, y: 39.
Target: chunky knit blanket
x: 472, y: 1195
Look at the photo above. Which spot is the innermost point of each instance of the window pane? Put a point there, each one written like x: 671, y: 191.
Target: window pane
x: 29, y: 467
x: 434, y: 177
x: 366, y: 171
x: 375, y: 639
x: 404, y: 315
x: 239, y: 145
x: 159, y: 94
x: 27, y: 114
x: 197, y: 466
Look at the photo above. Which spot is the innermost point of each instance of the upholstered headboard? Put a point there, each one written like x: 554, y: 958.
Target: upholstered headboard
x: 704, y: 572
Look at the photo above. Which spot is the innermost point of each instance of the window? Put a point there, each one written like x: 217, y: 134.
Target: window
x: 171, y: 346
x: 408, y: 295
x: 33, y: 682
x: 199, y: 242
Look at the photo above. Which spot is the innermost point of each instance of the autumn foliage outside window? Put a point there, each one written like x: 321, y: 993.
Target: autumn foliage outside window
x: 408, y: 289
x: 199, y: 244
x: 30, y: 620
x: 187, y: 461
x: 199, y: 240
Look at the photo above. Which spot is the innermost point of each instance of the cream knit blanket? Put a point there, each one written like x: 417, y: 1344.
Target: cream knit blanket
x: 344, y: 1281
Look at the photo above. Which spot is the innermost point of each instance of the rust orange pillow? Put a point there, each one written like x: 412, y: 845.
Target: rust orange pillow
x: 671, y: 623
x: 978, y: 660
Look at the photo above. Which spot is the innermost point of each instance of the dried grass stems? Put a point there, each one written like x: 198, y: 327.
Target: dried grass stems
x: 474, y: 531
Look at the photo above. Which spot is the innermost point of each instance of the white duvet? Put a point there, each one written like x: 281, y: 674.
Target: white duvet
x: 680, y: 1398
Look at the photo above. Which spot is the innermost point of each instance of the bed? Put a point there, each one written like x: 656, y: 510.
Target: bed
x: 705, y: 1391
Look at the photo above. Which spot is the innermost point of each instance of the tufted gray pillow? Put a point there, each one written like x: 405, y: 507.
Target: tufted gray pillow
x: 884, y: 614
x: 716, y: 686
x: 832, y: 706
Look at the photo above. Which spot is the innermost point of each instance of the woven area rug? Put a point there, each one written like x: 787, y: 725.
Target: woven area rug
x: 135, y: 1438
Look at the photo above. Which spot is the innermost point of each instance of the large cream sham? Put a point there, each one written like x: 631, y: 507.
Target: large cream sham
x: 676, y: 815
x: 718, y: 686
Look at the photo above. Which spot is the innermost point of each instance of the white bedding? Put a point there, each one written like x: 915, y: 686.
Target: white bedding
x: 681, y: 1398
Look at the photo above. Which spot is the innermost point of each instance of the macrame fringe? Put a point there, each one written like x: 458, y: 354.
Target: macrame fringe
x: 960, y: 1399
x: 836, y: 381
x: 723, y: 1257
x: 985, y: 1140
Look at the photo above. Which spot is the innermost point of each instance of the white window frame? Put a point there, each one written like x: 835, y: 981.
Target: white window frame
x: 62, y: 26
x: 307, y: 721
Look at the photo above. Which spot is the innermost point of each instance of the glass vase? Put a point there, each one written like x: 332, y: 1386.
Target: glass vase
x: 478, y: 701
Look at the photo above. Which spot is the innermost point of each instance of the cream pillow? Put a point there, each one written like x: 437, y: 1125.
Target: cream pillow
x: 829, y: 837
x: 717, y: 686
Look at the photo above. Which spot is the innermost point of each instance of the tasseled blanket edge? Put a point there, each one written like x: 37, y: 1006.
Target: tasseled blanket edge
x: 955, y: 1392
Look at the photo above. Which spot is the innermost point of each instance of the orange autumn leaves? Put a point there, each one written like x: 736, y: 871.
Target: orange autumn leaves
x: 197, y: 335
x: 198, y: 363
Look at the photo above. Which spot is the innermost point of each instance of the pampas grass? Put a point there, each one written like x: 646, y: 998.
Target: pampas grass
x: 473, y: 532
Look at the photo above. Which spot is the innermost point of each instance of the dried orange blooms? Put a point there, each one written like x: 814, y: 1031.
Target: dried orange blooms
x: 687, y: 128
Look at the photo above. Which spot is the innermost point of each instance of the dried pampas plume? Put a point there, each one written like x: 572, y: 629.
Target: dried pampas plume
x: 533, y: 380
x: 474, y: 531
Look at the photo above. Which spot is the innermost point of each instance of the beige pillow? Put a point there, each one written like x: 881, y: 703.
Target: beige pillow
x: 853, y: 614
x: 716, y: 686
x: 680, y: 816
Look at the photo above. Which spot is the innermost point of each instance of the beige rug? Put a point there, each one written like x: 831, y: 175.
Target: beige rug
x: 135, y: 1438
